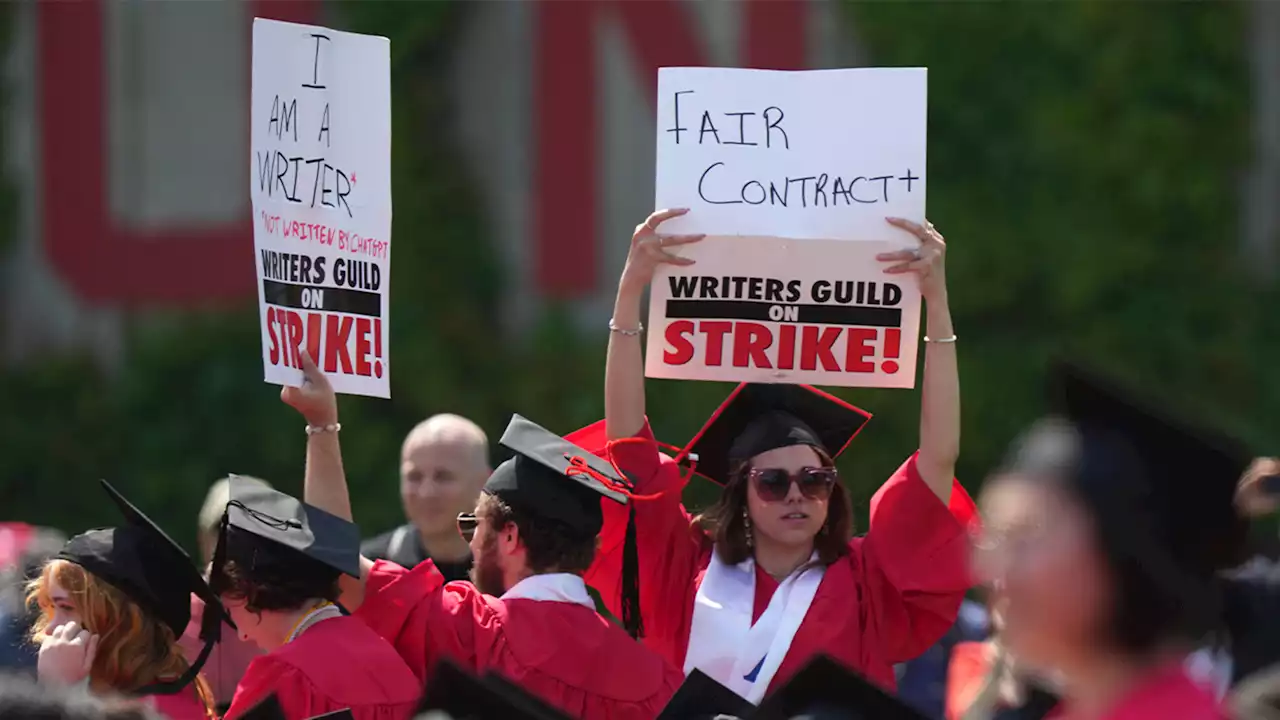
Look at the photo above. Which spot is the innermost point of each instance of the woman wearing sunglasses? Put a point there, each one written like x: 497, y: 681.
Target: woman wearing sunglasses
x: 771, y: 575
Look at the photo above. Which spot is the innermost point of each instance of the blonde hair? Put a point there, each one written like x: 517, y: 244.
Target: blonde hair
x: 134, y: 648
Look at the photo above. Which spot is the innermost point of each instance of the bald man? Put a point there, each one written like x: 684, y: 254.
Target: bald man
x: 443, y: 464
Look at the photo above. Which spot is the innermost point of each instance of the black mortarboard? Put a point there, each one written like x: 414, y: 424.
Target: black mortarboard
x: 266, y: 529
x: 555, y: 479
x: 757, y: 418
x: 269, y: 708
x: 144, y: 563
x: 1184, y: 475
x: 701, y: 697
x: 826, y: 689
x: 463, y: 696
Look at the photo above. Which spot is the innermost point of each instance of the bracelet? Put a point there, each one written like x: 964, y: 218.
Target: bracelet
x: 940, y: 340
x: 317, y: 429
x: 613, y: 327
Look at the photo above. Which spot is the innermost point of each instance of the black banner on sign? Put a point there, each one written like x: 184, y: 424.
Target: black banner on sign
x: 310, y: 297
x: 859, y: 315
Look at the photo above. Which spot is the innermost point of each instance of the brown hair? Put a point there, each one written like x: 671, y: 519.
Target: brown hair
x: 267, y: 577
x: 134, y: 648
x: 722, y: 523
x: 551, y: 546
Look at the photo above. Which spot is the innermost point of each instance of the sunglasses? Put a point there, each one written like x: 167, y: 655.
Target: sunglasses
x: 773, y: 484
x: 467, y: 523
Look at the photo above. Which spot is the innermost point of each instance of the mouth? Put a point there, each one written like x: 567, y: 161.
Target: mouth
x: 796, y: 516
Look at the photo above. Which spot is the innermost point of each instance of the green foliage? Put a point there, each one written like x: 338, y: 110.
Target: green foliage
x: 1085, y: 159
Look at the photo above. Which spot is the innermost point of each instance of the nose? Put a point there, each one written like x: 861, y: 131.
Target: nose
x: 794, y: 496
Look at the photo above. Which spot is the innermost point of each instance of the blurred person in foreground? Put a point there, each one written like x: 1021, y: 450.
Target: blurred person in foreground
x: 113, y: 603
x: 276, y: 570
x: 231, y: 656
x: 985, y: 681
x: 443, y: 464
x: 21, y: 698
x: 527, y: 612
x: 1105, y: 531
x: 24, y: 549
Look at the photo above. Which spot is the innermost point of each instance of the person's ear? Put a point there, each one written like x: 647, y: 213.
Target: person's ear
x: 509, y: 538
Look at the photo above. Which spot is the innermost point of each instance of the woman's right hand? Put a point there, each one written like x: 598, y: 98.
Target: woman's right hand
x: 649, y: 249
x: 315, y: 400
x: 66, y: 655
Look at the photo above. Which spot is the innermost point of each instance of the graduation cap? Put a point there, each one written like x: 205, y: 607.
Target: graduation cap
x: 1130, y: 449
x: 555, y: 479
x: 757, y: 418
x: 266, y: 530
x: 269, y: 708
x: 463, y: 696
x: 826, y: 689
x: 701, y: 697
x: 144, y: 563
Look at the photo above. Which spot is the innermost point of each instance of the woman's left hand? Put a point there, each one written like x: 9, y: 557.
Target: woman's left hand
x: 66, y: 655
x: 927, y: 262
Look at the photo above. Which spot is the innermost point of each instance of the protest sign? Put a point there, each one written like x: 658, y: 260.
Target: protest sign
x: 784, y: 311
x: 791, y: 176
x: 321, y: 187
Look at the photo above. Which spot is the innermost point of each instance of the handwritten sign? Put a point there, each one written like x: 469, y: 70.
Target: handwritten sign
x: 798, y: 154
x: 321, y: 187
x: 791, y: 176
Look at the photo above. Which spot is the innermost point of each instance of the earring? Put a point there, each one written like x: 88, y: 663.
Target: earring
x: 746, y: 524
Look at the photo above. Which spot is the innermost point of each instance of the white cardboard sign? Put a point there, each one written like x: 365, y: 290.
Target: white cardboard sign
x: 320, y: 181
x: 791, y: 174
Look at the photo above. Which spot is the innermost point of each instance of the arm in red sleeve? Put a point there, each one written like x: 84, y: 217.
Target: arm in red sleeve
x: 263, y: 677
x: 915, y: 561
x: 667, y: 546
x: 424, y: 618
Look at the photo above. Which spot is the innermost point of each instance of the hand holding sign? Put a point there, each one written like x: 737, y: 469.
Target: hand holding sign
x: 926, y: 261
x: 649, y: 249
x: 315, y: 399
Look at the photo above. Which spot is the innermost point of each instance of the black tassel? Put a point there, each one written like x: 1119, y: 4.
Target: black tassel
x: 631, y: 619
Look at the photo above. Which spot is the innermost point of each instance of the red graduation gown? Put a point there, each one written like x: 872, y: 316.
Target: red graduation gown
x: 892, y: 597
x: 1166, y: 694
x: 182, y: 705
x: 564, y: 653
x: 335, y: 664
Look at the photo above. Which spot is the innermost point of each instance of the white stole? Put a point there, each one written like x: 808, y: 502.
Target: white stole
x: 552, y: 587
x: 722, y: 641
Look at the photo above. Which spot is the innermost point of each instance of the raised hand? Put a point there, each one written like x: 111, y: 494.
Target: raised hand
x: 928, y: 262
x: 649, y: 249
x: 66, y: 655
x: 315, y: 400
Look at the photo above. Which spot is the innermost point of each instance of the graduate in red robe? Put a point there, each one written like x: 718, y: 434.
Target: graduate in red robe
x: 528, y: 616
x: 276, y: 570
x: 771, y: 574
x: 1106, y: 528
x: 96, y: 586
